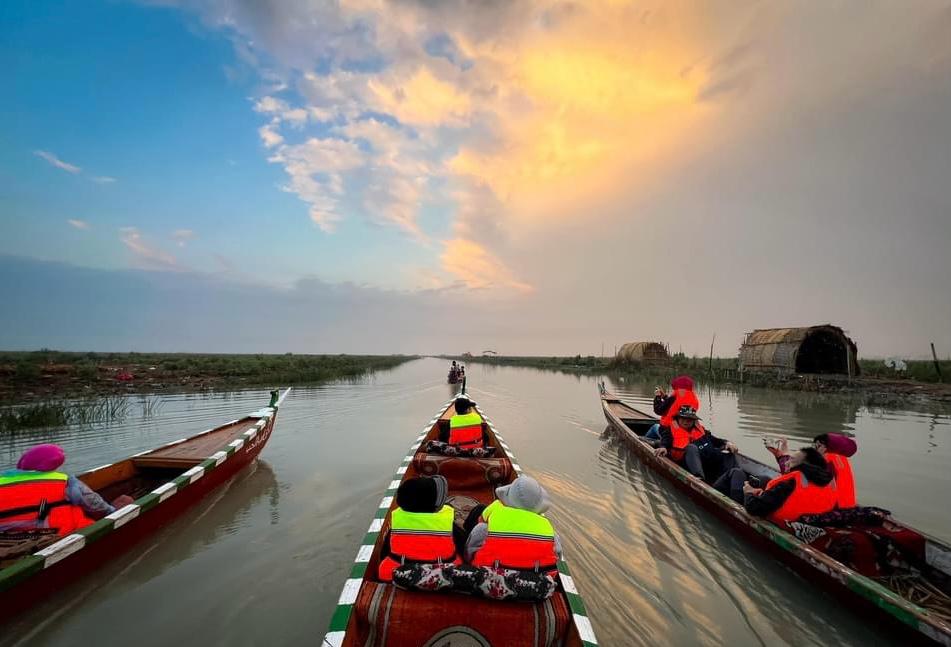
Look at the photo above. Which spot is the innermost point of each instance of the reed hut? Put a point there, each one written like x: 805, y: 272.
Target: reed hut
x: 822, y: 349
x: 643, y: 352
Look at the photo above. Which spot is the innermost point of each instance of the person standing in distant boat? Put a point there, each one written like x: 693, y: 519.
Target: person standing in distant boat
x: 35, y: 495
x: 667, y: 405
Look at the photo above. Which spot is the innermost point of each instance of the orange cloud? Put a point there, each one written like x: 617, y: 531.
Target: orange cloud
x: 478, y: 268
x: 421, y: 99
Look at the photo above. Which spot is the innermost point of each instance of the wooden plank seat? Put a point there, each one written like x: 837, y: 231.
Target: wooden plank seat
x: 192, y: 451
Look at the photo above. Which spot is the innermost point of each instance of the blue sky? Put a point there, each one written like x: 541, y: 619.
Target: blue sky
x: 147, y: 96
x: 536, y: 176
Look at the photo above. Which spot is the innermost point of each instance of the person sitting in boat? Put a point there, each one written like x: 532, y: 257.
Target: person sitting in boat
x: 512, y: 531
x: 421, y: 527
x: 807, y: 488
x: 691, y: 446
x: 836, y: 449
x: 465, y: 427
x: 35, y: 495
x: 667, y: 405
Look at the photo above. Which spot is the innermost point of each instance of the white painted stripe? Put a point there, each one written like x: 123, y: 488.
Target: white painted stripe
x: 413, y: 448
x: 124, y: 515
x: 194, y: 473
x: 393, y: 484
x: 350, y: 589
x: 101, y: 467
x: 516, y: 467
x: 250, y: 433
x: 219, y: 457
x: 235, y: 421
x: 376, y: 525
x: 142, y: 453
x: 334, y: 639
x: 401, y: 470
x: 181, y: 440
x: 165, y: 491
x: 237, y: 443
x: 364, y: 554
x: 568, y: 583
x: 61, y: 549
x: 408, y: 458
x: 386, y: 502
x: 585, y: 630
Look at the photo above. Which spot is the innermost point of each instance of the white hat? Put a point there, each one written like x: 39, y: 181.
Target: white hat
x: 525, y: 493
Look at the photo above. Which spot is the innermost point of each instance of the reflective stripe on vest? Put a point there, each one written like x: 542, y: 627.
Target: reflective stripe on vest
x: 681, y: 397
x: 517, y: 539
x: 465, y: 431
x: 419, y: 537
x: 39, y: 497
x: 844, y: 481
x: 806, y: 498
x: 683, y: 437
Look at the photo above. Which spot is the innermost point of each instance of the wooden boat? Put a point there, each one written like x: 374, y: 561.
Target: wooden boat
x: 164, y: 482
x: 918, y: 616
x: 371, y: 612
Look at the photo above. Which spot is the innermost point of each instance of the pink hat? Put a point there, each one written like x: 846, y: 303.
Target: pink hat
x: 682, y: 382
x: 42, y: 458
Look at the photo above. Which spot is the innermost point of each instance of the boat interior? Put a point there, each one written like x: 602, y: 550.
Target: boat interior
x: 135, y: 477
x: 383, y: 608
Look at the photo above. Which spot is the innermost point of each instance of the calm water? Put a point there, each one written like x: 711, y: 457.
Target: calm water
x: 263, y: 561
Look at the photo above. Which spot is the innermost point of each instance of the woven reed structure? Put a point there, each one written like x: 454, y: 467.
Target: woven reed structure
x: 643, y: 352
x: 822, y: 349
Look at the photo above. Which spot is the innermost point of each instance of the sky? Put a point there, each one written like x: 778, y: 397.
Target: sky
x: 411, y: 176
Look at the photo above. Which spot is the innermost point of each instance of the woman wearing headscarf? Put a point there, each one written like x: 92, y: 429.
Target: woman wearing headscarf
x: 36, y: 495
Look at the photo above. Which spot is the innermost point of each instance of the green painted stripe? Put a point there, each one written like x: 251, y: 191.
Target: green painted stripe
x: 341, y: 617
x: 96, y: 530
x: 20, y: 570
x: 370, y: 539
x: 359, y: 570
x: 576, y: 604
x: 886, y: 600
x: 147, y: 502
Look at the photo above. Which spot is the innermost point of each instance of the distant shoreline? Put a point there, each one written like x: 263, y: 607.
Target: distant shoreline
x: 875, y: 383
x: 30, y: 376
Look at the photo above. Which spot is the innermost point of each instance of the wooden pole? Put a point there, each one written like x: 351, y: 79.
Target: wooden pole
x: 710, y: 363
x: 937, y: 366
x: 848, y: 361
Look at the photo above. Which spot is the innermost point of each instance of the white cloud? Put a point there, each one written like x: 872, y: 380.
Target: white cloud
x: 269, y: 136
x: 57, y: 162
x: 78, y: 224
x: 182, y: 236
x: 146, y: 254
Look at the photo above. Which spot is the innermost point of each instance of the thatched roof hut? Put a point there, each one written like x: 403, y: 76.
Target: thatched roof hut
x: 815, y: 349
x: 645, y: 352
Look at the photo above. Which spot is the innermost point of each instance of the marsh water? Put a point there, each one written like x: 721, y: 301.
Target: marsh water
x: 263, y: 560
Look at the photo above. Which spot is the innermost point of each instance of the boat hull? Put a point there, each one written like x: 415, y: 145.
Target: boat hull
x: 31, y: 580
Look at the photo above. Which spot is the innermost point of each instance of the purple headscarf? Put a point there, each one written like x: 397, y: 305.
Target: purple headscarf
x: 42, y: 458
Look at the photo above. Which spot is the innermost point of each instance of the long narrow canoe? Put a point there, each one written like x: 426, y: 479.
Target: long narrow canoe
x: 163, y: 482
x: 374, y: 613
x: 932, y: 621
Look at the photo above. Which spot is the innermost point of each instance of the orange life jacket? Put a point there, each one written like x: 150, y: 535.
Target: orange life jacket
x: 806, y: 498
x: 683, y: 437
x: 517, y: 539
x: 465, y: 431
x: 844, y: 482
x: 39, y: 497
x: 682, y: 397
x: 419, y: 537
